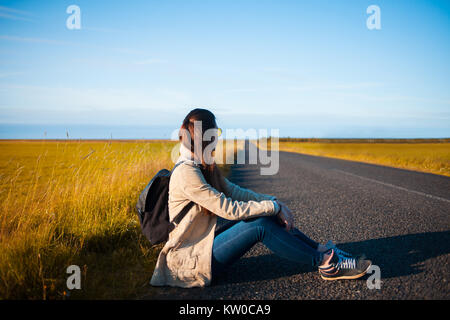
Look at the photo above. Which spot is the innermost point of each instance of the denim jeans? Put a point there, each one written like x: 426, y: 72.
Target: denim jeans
x: 232, y: 243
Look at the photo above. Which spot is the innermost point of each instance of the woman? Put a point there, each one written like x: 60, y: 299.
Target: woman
x: 195, y: 252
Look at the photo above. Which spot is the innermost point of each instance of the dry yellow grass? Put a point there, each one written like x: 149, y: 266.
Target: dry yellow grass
x: 424, y: 157
x: 65, y: 203
x: 68, y: 203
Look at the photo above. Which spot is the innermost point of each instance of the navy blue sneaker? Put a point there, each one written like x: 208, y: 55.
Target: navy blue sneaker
x: 341, y: 267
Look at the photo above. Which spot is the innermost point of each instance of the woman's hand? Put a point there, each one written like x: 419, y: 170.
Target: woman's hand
x: 285, y: 216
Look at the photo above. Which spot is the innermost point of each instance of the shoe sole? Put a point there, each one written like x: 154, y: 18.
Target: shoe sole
x: 356, y: 276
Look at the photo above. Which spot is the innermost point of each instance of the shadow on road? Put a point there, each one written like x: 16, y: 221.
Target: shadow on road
x: 396, y: 256
x: 402, y: 255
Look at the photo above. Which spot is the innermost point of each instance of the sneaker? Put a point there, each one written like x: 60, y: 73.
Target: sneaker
x: 341, y: 267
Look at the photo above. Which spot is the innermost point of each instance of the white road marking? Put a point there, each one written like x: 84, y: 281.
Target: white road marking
x: 394, y: 186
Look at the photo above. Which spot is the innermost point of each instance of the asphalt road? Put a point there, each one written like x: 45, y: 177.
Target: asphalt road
x: 400, y: 219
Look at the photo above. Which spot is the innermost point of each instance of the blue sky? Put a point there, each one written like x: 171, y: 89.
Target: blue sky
x: 307, y: 68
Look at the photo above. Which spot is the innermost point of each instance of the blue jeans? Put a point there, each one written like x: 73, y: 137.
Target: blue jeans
x: 234, y: 242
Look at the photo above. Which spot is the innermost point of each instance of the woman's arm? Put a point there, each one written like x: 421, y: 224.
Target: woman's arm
x: 242, y: 194
x: 196, y: 189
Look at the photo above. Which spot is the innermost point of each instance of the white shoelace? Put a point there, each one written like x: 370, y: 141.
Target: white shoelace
x: 346, y: 263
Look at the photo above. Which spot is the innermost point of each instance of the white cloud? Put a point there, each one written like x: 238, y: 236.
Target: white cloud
x: 100, y: 105
x: 68, y: 43
x: 335, y: 86
x: 9, y: 74
x: 14, y: 14
x: 34, y: 40
x: 21, y: 12
x: 151, y: 61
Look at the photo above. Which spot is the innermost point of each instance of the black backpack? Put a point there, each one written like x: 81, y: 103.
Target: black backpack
x: 153, y: 208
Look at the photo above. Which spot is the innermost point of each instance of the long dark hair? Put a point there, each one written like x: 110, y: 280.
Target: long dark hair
x: 210, y: 171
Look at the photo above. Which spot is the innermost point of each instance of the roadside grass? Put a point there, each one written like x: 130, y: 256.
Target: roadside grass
x: 422, y: 155
x: 73, y: 202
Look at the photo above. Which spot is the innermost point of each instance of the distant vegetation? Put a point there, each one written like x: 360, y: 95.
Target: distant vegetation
x: 426, y: 155
x: 365, y: 140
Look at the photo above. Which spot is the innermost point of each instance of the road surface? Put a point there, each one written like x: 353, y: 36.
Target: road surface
x: 400, y: 219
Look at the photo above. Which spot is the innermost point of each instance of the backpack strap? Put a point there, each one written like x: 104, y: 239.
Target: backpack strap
x: 185, y: 210
x: 176, y: 165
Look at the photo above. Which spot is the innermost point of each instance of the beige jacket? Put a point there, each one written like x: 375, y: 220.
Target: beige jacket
x: 185, y: 260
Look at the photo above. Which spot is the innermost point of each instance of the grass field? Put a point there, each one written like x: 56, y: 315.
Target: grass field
x: 68, y: 203
x: 432, y: 156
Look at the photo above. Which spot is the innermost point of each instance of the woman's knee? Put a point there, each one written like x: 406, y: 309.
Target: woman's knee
x: 264, y: 222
